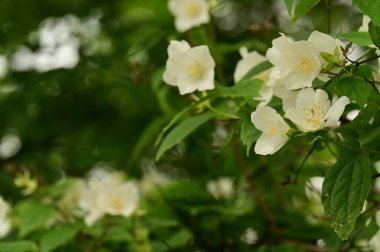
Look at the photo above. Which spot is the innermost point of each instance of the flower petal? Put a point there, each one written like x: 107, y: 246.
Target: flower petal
x: 335, y: 111
x: 264, y: 118
x: 267, y: 145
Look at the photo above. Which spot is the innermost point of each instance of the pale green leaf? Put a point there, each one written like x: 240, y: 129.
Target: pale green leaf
x: 345, y: 188
x: 302, y: 7
x: 370, y: 8
x: 17, y: 246
x: 33, y: 216
x: 359, y: 38
x: 248, y: 134
x: 58, y: 237
x: 289, y: 6
x: 181, y: 131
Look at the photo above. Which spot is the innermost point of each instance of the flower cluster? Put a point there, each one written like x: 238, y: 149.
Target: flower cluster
x: 102, y: 193
x: 296, y: 64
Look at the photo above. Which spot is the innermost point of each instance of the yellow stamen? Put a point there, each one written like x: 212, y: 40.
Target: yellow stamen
x: 272, y: 132
x: 196, y: 70
x: 193, y: 10
x: 116, y: 202
x: 314, y: 114
x: 306, y: 65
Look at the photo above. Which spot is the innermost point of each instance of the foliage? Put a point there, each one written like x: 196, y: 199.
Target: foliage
x: 87, y: 118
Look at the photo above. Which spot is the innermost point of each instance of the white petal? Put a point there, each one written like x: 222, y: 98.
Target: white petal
x: 267, y: 145
x: 297, y: 118
x: 203, y: 56
x: 322, y: 99
x: 169, y: 78
x: 177, y: 46
x: 305, y: 98
x: 335, y: 112
x: 264, y: 118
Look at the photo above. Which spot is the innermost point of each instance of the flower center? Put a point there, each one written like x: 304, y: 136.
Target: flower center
x: 193, y: 10
x: 272, y: 132
x: 314, y: 114
x: 196, y: 70
x: 306, y: 65
x: 116, y: 202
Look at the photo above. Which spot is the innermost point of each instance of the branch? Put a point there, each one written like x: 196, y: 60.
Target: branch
x: 256, y: 192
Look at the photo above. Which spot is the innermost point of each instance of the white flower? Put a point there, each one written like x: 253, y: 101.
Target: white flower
x: 107, y: 193
x: 296, y: 63
x: 189, y: 68
x: 274, y: 129
x: 250, y: 60
x: 5, y: 223
x: 189, y: 13
x: 220, y: 188
x: 250, y: 236
x: 312, y: 110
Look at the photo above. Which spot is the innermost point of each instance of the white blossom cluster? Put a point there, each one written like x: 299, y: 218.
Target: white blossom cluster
x: 296, y: 64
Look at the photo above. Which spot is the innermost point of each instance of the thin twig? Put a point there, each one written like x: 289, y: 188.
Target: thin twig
x: 304, y: 161
x: 256, y: 193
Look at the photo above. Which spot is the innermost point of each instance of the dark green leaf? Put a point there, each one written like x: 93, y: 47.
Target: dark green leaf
x: 302, y: 7
x: 180, y: 239
x: 356, y: 88
x: 33, y: 216
x: 360, y: 38
x: 248, y: 133
x: 17, y: 246
x: 181, y: 131
x: 370, y: 8
x: 58, y: 237
x: 374, y: 32
x: 345, y: 188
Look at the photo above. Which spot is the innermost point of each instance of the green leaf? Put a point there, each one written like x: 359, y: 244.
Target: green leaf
x: 374, y: 32
x: 180, y: 239
x: 359, y: 38
x: 367, y: 123
x: 58, y: 237
x: 146, y: 137
x: 17, y: 246
x: 33, y: 216
x: 345, y: 188
x: 248, y: 134
x: 247, y: 88
x: 289, y: 6
x: 181, y: 131
x: 370, y: 8
x: 356, y: 88
x: 302, y: 7
x: 256, y: 70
